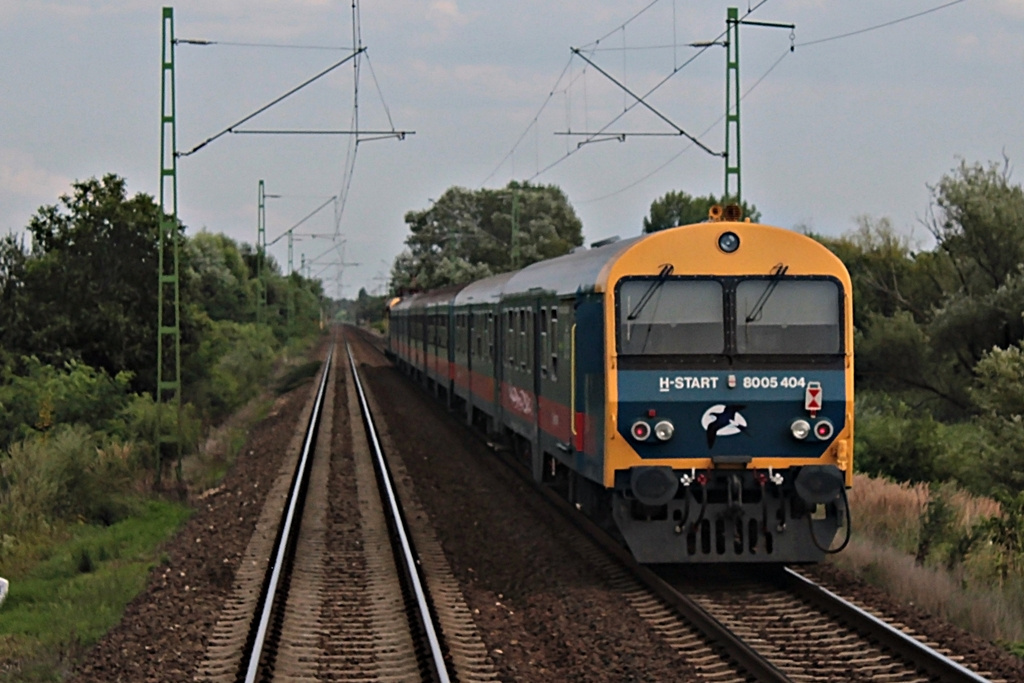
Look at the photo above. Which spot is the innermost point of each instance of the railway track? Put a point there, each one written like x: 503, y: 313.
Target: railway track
x: 811, y: 634
x: 338, y: 577
x: 773, y: 623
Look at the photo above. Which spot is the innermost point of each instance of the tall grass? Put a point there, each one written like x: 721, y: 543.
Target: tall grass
x: 68, y: 473
x: 922, y: 543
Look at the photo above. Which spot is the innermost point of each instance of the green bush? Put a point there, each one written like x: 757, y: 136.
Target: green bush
x: 298, y: 375
x: 35, y: 397
x: 138, y: 424
x: 67, y: 474
x: 903, y: 443
x: 895, y: 442
x: 1007, y: 533
x: 237, y: 358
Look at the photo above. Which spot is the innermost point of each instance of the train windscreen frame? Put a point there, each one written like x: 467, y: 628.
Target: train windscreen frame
x: 729, y: 316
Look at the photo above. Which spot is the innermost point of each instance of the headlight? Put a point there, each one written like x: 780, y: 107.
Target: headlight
x: 800, y: 429
x: 641, y: 430
x: 728, y: 242
x: 664, y: 430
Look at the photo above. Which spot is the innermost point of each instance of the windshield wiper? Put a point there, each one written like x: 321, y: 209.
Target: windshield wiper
x: 666, y: 270
x: 777, y: 272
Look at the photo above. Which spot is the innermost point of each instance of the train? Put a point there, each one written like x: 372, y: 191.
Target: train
x: 690, y: 390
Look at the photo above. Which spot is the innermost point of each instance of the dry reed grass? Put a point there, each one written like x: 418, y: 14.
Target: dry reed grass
x: 887, y: 524
x: 983, y: 609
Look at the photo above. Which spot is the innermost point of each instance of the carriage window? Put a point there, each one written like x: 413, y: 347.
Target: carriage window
x: 553, y: 341
x: 788, y: 316
x: 475, y: 329
x: 522, y: 339
x: 510, y: 336
x: 544, y: 341
x: 670, y: 317
x: 528, y: 340
x: 492, y: 334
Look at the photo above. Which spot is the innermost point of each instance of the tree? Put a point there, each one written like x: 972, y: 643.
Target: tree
x: 998, y: 394
x: 925, y: 320
x: 888, y: 275
x: 679, y: 208
x: 12, y: 283
x: 220, y: 278
x: 467, y: 235
x: 369, y: 309
x: 87, y: 288
x: 978, y: 220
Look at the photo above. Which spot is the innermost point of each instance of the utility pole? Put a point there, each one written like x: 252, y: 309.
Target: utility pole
x: 168, y: 336
x: 732, y: 96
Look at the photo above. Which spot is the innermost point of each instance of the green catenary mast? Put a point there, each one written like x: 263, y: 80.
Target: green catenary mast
x: 261, y: 251
x: 732, y: 96
x: 168, y: 338
x: 732, y: 106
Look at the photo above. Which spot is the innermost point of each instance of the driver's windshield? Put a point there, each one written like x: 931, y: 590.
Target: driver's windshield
x: 800, y: 317
x: 682, y: 316
x: 769, y: 316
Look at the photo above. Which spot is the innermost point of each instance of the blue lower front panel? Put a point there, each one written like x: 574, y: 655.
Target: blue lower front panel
x: 720, y: 413
x: 730, y: 518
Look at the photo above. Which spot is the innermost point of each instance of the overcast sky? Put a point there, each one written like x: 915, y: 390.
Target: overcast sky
x: 858, y: 125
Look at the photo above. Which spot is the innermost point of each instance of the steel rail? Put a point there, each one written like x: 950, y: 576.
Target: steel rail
x: 284, y: 538
x: 408, y: 555
x: 910, y: 649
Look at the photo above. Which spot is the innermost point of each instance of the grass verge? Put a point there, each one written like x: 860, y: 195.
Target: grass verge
x: 69, y: 589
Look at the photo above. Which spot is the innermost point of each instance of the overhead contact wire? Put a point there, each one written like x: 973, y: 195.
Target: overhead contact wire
x: 536, y: 117
x: 657, y: 86
x: 230, y: 129
x: 758, y: 82
x: 875, y: 28
x: 691, y: 145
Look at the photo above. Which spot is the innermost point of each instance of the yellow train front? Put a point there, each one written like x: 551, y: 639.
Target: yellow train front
x: 690, y: 389
x: 728, y: 435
